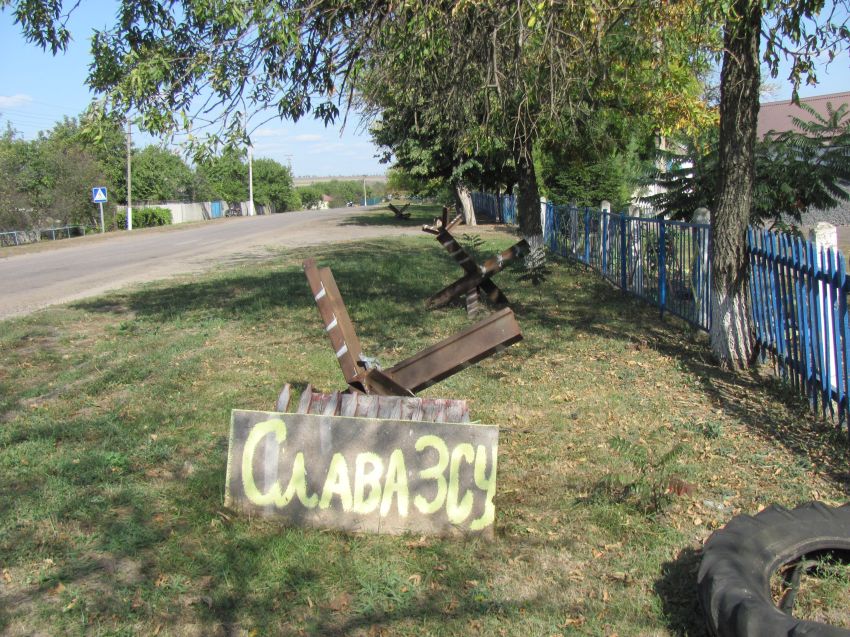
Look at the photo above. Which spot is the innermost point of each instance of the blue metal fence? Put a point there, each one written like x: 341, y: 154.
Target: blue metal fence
x: 798, y: 293
x: 498, y: 208
x: 799, y: 309
x: 20, y: 237
x: 664, y: 262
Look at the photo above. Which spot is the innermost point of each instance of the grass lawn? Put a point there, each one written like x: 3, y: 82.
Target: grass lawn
x: 114, y: 415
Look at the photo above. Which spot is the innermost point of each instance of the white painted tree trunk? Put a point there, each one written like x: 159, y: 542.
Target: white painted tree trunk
x: 464, y: 198
x: 731, y: 333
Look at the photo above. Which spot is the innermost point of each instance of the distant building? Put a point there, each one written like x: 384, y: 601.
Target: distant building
x: 778, y: 116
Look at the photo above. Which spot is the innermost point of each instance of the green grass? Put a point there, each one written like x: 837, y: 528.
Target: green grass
x: 114, y: 414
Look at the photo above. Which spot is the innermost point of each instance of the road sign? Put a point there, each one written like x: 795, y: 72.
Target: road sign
x: 98, y: 195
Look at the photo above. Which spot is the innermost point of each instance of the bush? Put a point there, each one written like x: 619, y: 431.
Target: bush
x: 145, y: 218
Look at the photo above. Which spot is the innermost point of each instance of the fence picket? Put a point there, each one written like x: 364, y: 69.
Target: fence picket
x: 798, y: 293
x: 833, y: 288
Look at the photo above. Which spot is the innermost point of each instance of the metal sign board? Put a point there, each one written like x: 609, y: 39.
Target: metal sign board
x: 363, y: 474
x: 98, y: 194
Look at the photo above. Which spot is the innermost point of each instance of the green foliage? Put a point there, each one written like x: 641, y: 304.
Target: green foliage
x: 161, y: 175
x: 340, y: 191
x: 48, y: 181
x: 401, y: 181
x: 343, y: 191
x: 226, y: 176
x: 273, y: 185
x: 650, y: 467
x: 795, y: 171
x: 145, y: 218
x: 584, y: 173
x: 310, y: 196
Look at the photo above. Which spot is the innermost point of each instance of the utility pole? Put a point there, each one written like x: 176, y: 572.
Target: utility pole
x: 250, y: 181
x: 129, y: 184
x: 364, y: 190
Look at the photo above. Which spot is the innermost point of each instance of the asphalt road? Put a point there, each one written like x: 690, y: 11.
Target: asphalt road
x: 73, y: 269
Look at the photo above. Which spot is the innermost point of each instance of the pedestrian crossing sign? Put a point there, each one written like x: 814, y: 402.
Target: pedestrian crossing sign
x: 98, y: 195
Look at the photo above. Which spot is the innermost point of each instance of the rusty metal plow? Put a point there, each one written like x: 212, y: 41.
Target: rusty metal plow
x: 476, y: 280
x: 431, y: 365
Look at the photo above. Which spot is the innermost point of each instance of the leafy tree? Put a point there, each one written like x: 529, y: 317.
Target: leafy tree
x: 514, y: 68
x: 48, y: 180
x: 273, y: 185
x: 226, y: 176
x: 794, y: 171
x: 16, y: 212
x: 161, y: 175
x: 605, y: 158
x: 401, y: 181
x: 342, y: 192
x: 792, y: 29
x: 310, y: 196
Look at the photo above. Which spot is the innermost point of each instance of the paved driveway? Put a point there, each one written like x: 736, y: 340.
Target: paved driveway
x: 77, y: 268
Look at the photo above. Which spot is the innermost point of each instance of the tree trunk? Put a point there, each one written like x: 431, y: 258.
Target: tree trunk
x: 528, y: 201
x: 463, y: 200
x: 731, y: 334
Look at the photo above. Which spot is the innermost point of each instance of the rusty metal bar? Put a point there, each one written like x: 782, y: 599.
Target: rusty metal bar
x: 463, y: 285
x: 443, y: 223
x: 498, y: 262
x: 400, y: 214
x: 433, y: 364
x: 476, y: 276
x: 456, y: 251
x: 338, y: 324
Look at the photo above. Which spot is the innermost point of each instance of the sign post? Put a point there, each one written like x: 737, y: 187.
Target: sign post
x: 98, y: 196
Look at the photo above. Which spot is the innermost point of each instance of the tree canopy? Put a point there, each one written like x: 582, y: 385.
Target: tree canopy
x: 794, y: 171
x: 513, y: 70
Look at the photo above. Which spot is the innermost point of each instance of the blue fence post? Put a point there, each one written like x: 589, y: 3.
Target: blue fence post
x: 623, y: 240
x: 662, y: 269
x: 604, y: 218
x: 844, y: 330
x: 832, y: 290
x: 586, y: 235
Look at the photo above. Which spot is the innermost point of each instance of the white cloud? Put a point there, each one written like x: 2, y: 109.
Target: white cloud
x: 331, y: 147
x: 13, y: 101
x: 307, y: 138
x: 268, y: 132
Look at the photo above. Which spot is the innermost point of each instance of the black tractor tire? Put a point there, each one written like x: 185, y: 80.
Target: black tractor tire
x: 739, y: 559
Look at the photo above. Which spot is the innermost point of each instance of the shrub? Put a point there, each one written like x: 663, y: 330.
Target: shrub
x: 145, y: 218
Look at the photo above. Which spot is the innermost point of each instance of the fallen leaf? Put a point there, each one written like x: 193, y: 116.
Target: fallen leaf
x: 414, y: 544
x: 340, y: 602
x: 572, y: 621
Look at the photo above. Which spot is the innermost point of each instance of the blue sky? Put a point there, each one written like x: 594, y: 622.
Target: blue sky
x: 37, y: 90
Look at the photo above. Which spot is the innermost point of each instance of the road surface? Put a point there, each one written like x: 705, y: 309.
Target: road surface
x: 79, y: 268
